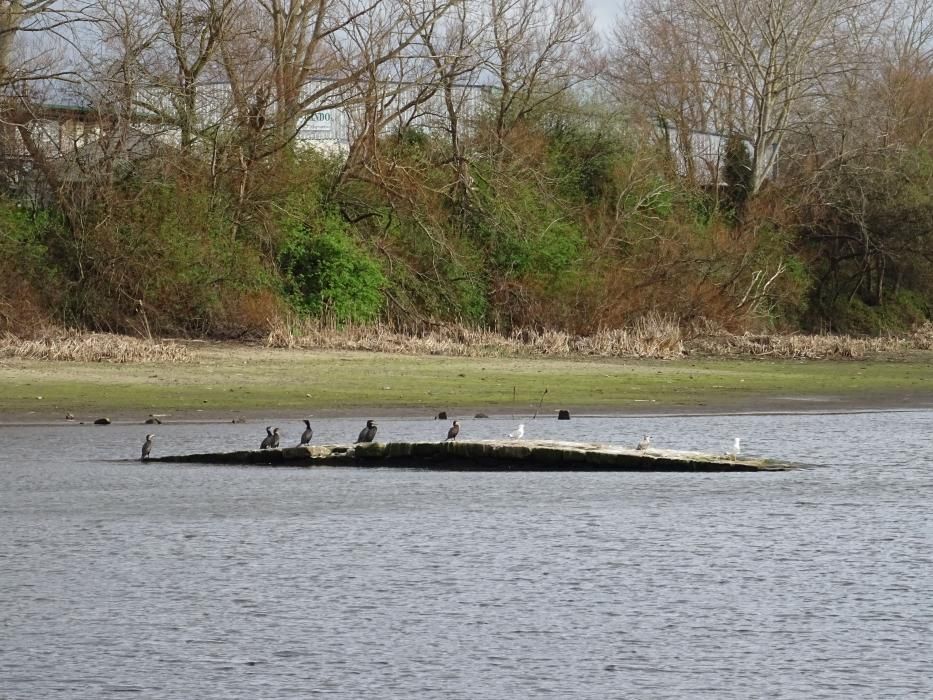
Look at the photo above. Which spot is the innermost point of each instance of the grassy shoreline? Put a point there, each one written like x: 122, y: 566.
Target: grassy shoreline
x: 224, y: 381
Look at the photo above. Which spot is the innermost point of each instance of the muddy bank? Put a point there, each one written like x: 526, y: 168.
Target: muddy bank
x: 766, y: 406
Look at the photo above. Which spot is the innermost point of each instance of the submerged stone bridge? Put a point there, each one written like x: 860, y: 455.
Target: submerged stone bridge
x: 486, y: 455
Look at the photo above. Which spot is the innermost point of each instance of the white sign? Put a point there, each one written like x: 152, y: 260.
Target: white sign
x: 321, y: 121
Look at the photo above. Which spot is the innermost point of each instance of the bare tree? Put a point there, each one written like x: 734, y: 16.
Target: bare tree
x: 751, y: 67
x: 906, y: 76
x: 34, y: 36
x: 38, y: 20
x: 314, y: 54
x: 536, y: 50
x: 188, y: 36
x: 911, y: 31
x: 453, y: 46
x: 659, y: 73
x: 857, y: 172
x: 388, y: 92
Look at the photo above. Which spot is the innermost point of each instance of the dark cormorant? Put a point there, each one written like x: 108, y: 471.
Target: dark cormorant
x: 267, y: 440
x: 368, y: 433
x: 454, y: 431
x: 307, y: 434
x: 147, y: 447
x: 275, y: 437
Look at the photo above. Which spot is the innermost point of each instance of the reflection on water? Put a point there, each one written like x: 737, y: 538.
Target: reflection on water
x: 170, y: 581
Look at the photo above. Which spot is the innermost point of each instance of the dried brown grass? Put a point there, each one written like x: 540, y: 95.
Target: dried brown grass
x: 65, y: 345
x: 652, y: 336
x: 813, y: 347
x: 656, y: 337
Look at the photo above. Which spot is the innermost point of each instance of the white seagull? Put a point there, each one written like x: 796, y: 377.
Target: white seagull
x: 644, y: 444
x: 518, y: 433
x: 736, y: 448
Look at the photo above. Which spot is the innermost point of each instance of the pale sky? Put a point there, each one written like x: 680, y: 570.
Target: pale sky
x: 605, y: 13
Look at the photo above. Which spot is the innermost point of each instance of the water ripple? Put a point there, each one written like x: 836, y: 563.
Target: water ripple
x: 182, y: 581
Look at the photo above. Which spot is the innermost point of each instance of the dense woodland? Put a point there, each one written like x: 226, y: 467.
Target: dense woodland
x: 570, y: 194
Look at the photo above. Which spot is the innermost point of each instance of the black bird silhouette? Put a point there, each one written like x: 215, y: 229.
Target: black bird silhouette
x: 454, y: 431
x: 307, y: 434
x: 275, y: 437
x: 267, y: 440
x: 147, y: 447
x: 368, y: 433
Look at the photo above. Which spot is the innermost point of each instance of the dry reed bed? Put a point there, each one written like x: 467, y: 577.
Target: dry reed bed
x: 468, y: 342
x: 78, y: 346
x: 812, y: 347
x: 652, y: 337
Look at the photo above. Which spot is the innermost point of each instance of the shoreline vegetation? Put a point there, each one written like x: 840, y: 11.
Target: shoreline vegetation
x: 311, y: 369
x: 436, y: 174
x: 654, y: 337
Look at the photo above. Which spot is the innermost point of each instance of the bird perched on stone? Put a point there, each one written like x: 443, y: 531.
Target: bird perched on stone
x: 368, y: 434
x: 644, y: 444
x: 275, y: 438
x: 307, y: 434
x: 147, y: 447
x: 454, y: 431
x: 518, y: 433
x: 267, y: 440
x: 736, y: 449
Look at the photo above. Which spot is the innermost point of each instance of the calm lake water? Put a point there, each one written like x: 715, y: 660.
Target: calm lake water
x: 170, y: 581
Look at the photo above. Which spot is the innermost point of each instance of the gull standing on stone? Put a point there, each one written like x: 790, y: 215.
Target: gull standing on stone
x: 644, y: 444
x: 518, y: 433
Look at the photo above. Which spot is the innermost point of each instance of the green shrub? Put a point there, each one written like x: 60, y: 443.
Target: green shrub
x: 22, y: 234
x: 899, y: 313
x: 327, y: 274
x: 737, y: 173
x: 582, y: 159
x: 28, y: 284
